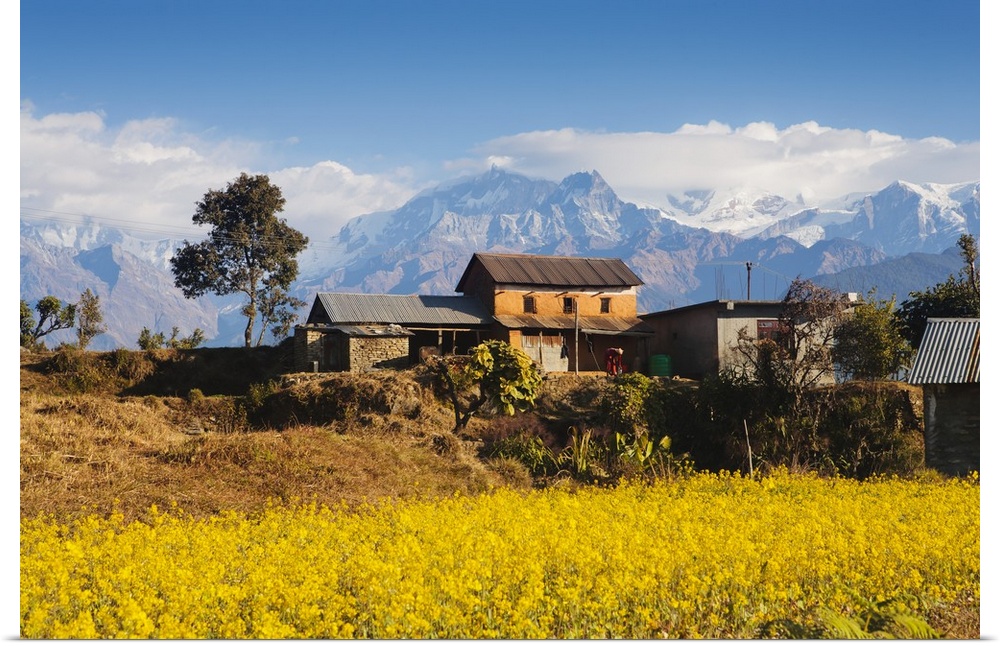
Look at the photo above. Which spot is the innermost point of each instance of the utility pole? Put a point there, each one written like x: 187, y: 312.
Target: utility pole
x: 576, y: 334
x: 749, y: 264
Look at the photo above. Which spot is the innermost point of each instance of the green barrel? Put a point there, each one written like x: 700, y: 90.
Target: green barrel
x: 660, y: 366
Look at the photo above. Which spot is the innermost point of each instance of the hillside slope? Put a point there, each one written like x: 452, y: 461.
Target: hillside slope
x: 127, y: 430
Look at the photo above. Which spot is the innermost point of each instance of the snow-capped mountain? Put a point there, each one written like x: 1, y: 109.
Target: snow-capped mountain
x: 85, y: 237
x: 898, y: 219
x: 905, y: 217
x: 739, y: 211
x: 424, y: 246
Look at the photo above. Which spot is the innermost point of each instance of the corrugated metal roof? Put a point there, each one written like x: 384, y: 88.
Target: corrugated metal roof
x: 624, y: 325
x: 403, y: 309
x: 553, y: 271
x: 948, y: 353
x: 373, y: 330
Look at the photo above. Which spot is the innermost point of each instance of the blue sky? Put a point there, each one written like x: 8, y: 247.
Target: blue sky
x: 354, y: 106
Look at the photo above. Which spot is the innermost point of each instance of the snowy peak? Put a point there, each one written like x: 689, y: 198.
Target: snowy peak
x: 740, y: 211
x: 905, y: 217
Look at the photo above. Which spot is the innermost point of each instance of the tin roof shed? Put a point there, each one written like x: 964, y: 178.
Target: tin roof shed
x: 948, y: 353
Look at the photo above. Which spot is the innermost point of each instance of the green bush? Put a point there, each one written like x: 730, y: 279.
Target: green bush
x: 529, y: 450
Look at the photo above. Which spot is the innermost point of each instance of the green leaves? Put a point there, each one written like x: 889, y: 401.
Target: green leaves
x: 869, y: 344
x: 53, y: 315
x: 507, y: 380
x: 249, y: 251
x: 956, y: 297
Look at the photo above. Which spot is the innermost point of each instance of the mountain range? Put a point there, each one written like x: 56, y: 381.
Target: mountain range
x: 696, y: 248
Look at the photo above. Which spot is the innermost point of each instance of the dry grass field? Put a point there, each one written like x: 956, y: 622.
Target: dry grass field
x: 107, y: 450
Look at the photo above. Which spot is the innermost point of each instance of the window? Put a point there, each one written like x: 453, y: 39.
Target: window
x: 567, y: 305
x: 605, y: 306
x: 529, y: 304
x: 768, y: 330
x: 775, y: 331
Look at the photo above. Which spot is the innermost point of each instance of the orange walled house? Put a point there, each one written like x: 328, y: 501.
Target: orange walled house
x: 564, y: 312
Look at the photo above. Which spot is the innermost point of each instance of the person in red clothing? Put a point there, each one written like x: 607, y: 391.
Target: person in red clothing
x: 613, y: 361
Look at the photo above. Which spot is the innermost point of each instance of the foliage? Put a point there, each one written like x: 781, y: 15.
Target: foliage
x: 506, y: 378
x: 800, y: 357
x: 887, y: 619
x: 869, y: 343
x: 858, y: 429
x: 277, y: 309
x: 954, y: 298
x: 623, y: 406
x: 89, y: 319
x: 707, y: 556
x: 527, y: 449
x: 871, y: 429
x: 249, y: 251
x: 149, y: 341
x: 53, y: 315
x: 582, y: 454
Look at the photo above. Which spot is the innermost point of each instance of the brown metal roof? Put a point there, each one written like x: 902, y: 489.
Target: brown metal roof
x: 948, y: 353
x: 409, y: 311
x: 552, y: 271
x: 614, y: 325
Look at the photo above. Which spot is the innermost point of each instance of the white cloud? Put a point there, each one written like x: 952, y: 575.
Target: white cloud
x: 149, y: 173
x: 804, y: 159
x: 324, y: 196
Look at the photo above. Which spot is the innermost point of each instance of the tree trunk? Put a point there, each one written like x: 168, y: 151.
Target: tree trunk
x: 248, y: 333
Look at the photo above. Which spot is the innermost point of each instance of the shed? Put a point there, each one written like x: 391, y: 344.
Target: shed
x: 947, y: 368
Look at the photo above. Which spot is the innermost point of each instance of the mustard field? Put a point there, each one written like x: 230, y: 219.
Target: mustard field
x: 709, y: 556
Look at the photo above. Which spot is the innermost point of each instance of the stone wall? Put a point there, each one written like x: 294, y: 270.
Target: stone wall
x: 373, y: 353
x: 308, y: 347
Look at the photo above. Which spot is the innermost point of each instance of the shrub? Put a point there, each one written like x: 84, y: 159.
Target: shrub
x: 529, y: 450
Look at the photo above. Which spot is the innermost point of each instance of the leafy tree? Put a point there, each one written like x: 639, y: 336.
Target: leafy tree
x: 90, y: 320
x: 956, y: 297
x: 53, y: 315
x: 501, y: 377
x: 801, y: 356
x: 869, y: 343
x: 249, y: 251
x: 277, y: 309
x: 150, y: 341
x: 190, y: 342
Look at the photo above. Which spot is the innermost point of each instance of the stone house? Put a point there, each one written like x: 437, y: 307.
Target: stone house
x: 361, y: 332
x: 947, y: 369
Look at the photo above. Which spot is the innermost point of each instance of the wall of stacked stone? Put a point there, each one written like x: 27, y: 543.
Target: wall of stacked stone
x: 308, y: 348
x: 373, y: 353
